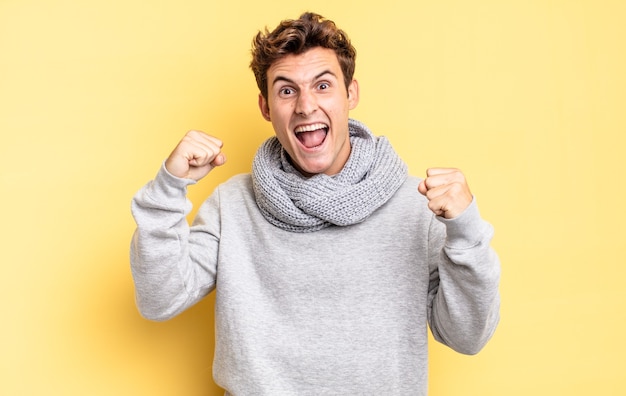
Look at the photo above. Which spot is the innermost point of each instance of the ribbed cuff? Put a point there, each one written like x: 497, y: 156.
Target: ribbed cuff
x: 166, y: 186
x: 467, y: 229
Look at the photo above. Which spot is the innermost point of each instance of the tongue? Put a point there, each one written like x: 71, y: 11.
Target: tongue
x: 313, y: 138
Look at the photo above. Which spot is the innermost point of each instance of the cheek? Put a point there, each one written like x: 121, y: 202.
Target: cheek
x: 338, y: 106
x: 281, y: 114
x: 281, y: 130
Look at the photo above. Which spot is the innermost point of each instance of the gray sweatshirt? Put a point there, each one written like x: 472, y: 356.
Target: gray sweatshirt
x: 340, y: 311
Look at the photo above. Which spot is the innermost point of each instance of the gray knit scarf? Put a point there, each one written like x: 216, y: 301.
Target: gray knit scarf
x: 293, y: 202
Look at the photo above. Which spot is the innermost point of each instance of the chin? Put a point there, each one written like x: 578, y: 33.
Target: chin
x: 311, y: 169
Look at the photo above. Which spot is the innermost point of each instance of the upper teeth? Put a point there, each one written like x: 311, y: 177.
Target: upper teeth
x: 309, y: 128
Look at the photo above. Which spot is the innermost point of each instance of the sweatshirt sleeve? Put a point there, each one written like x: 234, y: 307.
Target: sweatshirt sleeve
x: 464, y: 300
x: 172, y: 269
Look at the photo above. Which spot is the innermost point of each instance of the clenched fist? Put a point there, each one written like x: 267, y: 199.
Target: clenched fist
x: 447, y: 191
x: 195, y: 156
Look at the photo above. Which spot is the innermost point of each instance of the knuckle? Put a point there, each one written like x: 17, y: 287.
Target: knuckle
x: 456, y: 188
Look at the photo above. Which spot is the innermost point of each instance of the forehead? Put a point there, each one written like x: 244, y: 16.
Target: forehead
x: 305, y: 66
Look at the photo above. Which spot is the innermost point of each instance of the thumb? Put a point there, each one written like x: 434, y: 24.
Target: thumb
x: 422, y: 188
x: 219, y: 160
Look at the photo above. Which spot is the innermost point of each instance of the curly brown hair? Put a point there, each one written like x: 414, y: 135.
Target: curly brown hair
x: 296, y: 37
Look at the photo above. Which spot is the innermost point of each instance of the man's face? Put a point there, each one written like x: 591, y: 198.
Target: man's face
x: 308, y: 105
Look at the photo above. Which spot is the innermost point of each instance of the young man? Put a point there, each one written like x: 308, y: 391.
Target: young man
x: 328, y: 260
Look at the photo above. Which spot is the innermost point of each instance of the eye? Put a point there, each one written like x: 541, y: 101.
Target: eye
x: 323, y: 86
x: 286, y: 91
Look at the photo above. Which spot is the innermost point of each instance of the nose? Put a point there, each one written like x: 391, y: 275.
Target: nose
x: 306, y: 103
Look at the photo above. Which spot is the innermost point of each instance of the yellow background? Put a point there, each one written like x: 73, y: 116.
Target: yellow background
x: 527, y: 97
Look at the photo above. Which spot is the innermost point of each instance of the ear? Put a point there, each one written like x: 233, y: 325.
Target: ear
x: 353, y: 94
x: 264, y: 107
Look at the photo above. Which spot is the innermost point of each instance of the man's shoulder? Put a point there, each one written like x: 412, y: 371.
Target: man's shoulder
x: 410, y: 185
x: 235, y: 190
x: 238, y: 182
x: 408, y: 198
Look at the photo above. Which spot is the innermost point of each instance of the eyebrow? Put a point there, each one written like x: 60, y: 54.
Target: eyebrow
x: 283, y: 78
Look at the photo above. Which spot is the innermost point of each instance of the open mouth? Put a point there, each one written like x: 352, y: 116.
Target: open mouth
x: 312, y: 135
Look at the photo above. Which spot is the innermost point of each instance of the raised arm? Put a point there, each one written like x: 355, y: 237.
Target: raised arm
x: 464, y: 299
x: 169, y: 272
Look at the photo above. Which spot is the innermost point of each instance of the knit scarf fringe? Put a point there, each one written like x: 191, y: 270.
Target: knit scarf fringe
x: 293, y: 202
